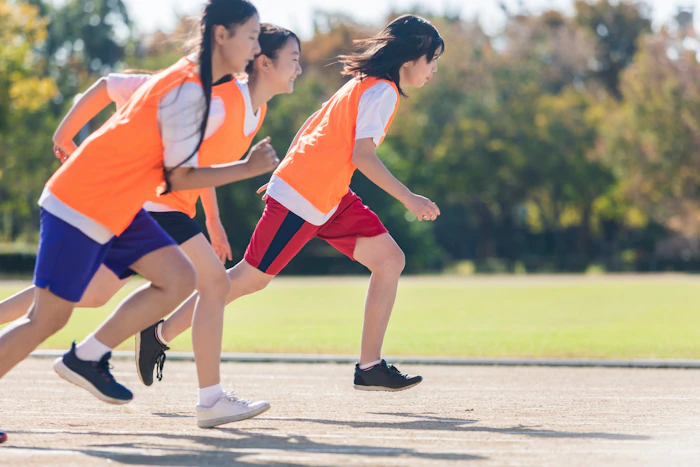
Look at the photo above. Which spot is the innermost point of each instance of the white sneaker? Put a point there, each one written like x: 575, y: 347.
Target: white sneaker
x: 229, y: 409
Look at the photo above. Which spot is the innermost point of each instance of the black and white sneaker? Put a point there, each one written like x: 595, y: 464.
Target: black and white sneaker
x: 384, y: 377
x: 92, y: 376
x: 150, y: 354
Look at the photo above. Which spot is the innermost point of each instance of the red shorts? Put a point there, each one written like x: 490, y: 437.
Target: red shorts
x: 281, y: 234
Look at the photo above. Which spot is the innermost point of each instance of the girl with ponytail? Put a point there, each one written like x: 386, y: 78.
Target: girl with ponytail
x: 162, y: 139
x: 309, y: 194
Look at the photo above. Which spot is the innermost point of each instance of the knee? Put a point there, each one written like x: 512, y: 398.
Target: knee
x: 186, y: 281
x: 96, y: 300
x: 391, y: 262
x: 181, y: 282
x: 48, y: 324
x: 217, y: 285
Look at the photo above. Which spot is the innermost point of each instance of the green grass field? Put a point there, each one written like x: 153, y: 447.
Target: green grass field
x: 625, y: 317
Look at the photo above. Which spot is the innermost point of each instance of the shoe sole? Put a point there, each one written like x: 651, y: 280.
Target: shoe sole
x: 224, y: 420
x: 138, y: 360
x: 360, y: 387
x: 72, y: 377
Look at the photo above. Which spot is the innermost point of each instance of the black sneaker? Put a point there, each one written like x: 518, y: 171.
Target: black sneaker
x: 150, y: 353
x: 92, y: 376
x: 3, y: 437
x: 384, y: 377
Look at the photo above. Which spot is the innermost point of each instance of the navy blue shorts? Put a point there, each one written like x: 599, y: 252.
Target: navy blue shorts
x: 178, y: 225
x: 68, y: 259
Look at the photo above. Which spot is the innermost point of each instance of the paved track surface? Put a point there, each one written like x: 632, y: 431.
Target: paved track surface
x: 478, y: 416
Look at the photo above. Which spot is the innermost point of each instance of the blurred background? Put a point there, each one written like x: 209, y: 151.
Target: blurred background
x: 558, y: 136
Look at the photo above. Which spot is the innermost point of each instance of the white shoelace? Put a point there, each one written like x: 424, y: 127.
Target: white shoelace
x: 231, y: 397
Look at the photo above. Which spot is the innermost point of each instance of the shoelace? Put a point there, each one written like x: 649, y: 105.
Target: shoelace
x: 103, y: 366
x: 231, y: 397
x: 160, y: 362
x: 395, y: 371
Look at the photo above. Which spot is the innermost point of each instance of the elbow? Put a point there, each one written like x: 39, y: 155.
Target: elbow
x: 177, y: 179
x: 357, y: 158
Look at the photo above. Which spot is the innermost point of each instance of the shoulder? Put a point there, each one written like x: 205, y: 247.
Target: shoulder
x: 189, y: 92
x: 382, y: 93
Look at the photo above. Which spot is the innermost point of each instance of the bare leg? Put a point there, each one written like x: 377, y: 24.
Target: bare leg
x: 172, y: 280
x: 208, y: 320
x: 384, y: 258
x: 17, y: 305
x: 48, y: 315
x: 245, y: 280
x: 102, y: 288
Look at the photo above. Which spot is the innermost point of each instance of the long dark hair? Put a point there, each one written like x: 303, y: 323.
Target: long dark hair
x: 272, y: 38
x: 407, y: 38
x: 227, y: 13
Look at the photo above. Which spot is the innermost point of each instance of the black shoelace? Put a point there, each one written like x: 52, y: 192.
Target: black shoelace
x: 160, y: 362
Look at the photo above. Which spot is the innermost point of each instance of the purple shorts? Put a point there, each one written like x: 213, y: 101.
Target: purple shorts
x: 68, y: 259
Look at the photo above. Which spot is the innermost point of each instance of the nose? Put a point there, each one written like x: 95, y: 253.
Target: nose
x: 299, y: 70
x: 256, y: 49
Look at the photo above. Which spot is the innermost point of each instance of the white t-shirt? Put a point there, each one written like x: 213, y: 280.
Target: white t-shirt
x: 376, y: 106
x: 252, y: 118
x: 120, y: 86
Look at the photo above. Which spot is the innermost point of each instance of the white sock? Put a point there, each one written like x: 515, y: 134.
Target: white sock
x: 159, y: 334
x: 209, y: 395
x: 91, y: 349
x: 367, y: 366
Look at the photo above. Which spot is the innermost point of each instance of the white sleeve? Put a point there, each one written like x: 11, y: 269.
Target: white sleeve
x: 376, y: 107
x: 180, y: 115
x: 121, y: 86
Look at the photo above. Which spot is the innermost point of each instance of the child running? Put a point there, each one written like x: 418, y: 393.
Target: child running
x: 309, y: 195
x: 92, y: 207
x: 273, y: 72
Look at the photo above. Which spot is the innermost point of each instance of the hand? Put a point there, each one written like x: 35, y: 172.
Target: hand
x: 261, y: 189
x: 422, y: 207
x: 262, y: 158
x: 219, y: 240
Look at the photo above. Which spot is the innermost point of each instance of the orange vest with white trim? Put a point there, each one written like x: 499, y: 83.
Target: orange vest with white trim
x: 118, y: 167
x: 228, y: 144
x: 320, y: 166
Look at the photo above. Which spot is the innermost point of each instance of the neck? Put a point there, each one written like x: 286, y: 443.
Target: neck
x: 259, y: 93
x: 217, y: 71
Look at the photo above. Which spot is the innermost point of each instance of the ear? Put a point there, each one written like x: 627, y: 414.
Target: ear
x: 219, y: 34
x: 265, y: 62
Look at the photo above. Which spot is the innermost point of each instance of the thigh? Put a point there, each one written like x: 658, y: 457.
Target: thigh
x: 164, y: 266
x: 278, y: 237
x: 352, y: 221
x: 103, y: 286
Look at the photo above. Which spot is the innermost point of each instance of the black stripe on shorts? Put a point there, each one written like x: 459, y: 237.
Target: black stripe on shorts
x: 289, y: 227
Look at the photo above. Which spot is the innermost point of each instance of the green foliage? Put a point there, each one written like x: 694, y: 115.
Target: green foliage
x: 560, y: 143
